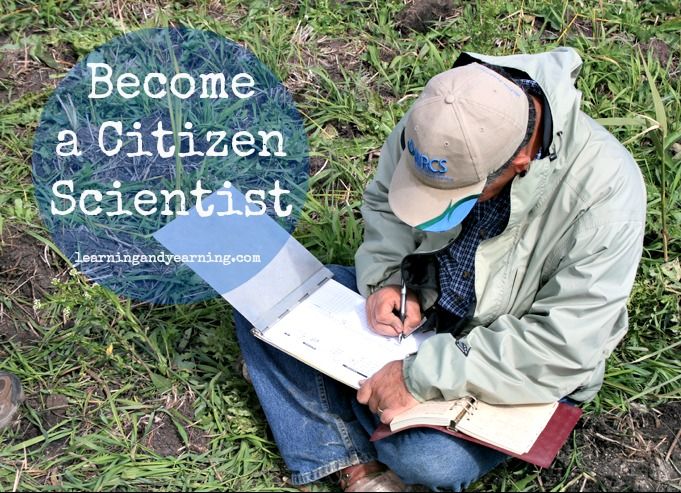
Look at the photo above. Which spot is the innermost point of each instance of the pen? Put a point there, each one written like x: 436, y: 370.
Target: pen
x: 403, y: 308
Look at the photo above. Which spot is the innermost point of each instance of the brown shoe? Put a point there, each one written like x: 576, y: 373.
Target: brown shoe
x: 372, y: 476
x: 11, y: 396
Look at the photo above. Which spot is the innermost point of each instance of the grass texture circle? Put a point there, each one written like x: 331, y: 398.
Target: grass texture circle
x: 142, y: 129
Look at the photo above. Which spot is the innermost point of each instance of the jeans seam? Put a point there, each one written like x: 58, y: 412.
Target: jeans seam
x: 321, y: 389
x: 340, y: 425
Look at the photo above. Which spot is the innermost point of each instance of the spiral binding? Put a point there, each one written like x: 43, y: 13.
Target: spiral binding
x: 465, y: 413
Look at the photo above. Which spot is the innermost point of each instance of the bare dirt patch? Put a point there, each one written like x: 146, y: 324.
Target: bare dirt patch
x: 50, y: 411
x: 639, y: 451
x: 164, y: 438
x: 419, y: 15
x: 317, y: 164
x: 26, y: 265
x: 665, y: 55
x: 582, y: 26
x: 337, y: 56
x: 321, y: 62
x: 660, y: 50
x: 332, y: 55
x: 27, y: 268
x: 22, y: 73
x: 56, y: 410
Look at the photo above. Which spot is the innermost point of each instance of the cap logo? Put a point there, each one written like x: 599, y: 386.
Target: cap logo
x: 424, y: 162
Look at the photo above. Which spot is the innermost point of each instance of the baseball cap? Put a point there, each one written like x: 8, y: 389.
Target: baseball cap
x: 466, y: 124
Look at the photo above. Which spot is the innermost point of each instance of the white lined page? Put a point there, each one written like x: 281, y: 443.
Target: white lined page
x: 514, y: 428
x: 330, y: 332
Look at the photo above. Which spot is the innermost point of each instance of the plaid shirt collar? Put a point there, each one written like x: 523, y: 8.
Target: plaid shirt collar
x: 457, y: 263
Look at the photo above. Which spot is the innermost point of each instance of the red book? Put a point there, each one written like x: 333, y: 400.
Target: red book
x: 543, y: 451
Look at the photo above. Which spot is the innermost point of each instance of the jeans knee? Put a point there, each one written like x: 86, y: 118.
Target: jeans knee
x: 344, y: 275
x: 415, y: 470
x: 243, y: 330
x: 436, y: 460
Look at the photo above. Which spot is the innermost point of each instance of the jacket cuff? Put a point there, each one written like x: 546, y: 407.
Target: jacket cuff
x: 412, y: 387
x: 395, y: 279
x: 437, y: 371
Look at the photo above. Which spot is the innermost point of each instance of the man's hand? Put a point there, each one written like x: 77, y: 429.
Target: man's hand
x: 382, y: 307
x: 386, y: 393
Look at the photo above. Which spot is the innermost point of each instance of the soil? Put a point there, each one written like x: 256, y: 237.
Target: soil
x: 164, y: 437
x: 26, y: 265
x: 580, y: 25
x: 27, y: 268
x: 420, y: 14
x: 660, y: 50
x: 317, y: 164
x: 664, y: 55
x: 28, y: 75
x: 54, y: 409
x: 637, y: 451
x: 334, y: 56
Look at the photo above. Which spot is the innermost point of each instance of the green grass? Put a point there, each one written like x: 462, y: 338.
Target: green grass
x: 122, y: 371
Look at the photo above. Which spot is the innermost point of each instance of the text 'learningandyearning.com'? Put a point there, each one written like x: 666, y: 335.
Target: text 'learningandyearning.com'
x: 167, y: 258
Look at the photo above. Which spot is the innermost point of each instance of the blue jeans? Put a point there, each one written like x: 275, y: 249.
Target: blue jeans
x: 320, y: 427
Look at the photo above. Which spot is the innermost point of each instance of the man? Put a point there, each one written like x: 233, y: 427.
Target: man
x: 516, y: 222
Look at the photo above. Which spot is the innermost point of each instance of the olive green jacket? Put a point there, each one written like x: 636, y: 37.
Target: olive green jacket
x: 552, y: 287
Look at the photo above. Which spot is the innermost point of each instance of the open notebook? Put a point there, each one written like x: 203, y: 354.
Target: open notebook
x: 289, y: 296
x: 514, y: 428
x: 532, y: 433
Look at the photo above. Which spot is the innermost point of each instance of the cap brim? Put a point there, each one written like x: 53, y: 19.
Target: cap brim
x: 427, y: 208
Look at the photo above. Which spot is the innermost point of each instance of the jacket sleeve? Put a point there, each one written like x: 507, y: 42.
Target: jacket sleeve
x: 577, y: 318
x: 387, y: 240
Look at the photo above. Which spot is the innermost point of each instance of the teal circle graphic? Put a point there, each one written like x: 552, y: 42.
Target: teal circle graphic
x: 152, y: 127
